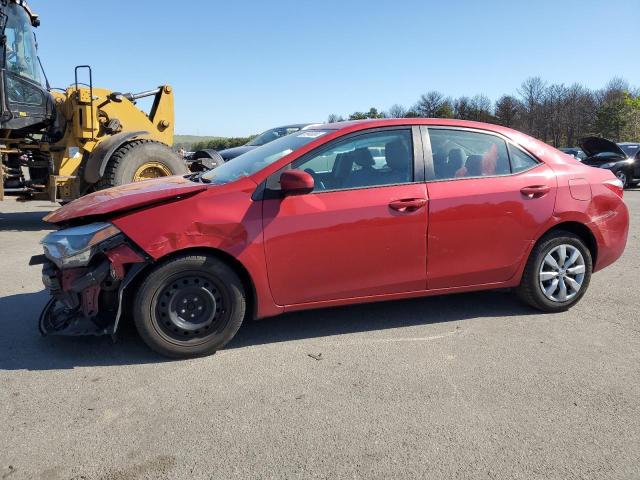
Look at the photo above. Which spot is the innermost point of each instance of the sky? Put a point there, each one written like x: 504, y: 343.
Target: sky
x: 241, y: 67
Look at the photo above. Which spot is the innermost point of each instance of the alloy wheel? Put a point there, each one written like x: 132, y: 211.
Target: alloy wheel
x: 562, y: 273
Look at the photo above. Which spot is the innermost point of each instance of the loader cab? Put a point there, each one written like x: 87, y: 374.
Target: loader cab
x: 25, y: 102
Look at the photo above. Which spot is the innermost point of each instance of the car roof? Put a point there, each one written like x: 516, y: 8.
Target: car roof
x: 293, y: 125
x: 354, y: 125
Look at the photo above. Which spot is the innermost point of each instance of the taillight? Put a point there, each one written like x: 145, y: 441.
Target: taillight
x: 615, y: 185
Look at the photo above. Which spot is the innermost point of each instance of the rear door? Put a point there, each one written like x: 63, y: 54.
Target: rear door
x: 361, y: 232
x: 487, y: 201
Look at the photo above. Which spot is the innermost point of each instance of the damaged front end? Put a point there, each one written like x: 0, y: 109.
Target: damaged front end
x: 86, y: 270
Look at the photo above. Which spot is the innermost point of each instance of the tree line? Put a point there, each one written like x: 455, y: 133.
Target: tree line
x: 554, y: 113
x: 220, y: 143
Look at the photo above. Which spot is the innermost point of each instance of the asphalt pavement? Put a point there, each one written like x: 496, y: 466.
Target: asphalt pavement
x: 463, y: 386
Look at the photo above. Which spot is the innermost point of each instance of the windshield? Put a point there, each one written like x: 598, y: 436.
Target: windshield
x: 21, y: 57
x: 630, y: 150
x: 271, y: 135
x: 261, y: 157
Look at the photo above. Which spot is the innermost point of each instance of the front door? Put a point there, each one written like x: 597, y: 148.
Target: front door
x: 361, y: 232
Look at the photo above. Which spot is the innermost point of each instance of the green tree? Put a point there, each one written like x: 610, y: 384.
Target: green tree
x: 373, y: 113
x: 633, y: 104
x: 221, y: 143
x: 358, y: 116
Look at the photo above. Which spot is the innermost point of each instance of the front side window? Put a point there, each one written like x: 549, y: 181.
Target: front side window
x: 368, y: 160
x: 465, y: 154
x: 21, y: 57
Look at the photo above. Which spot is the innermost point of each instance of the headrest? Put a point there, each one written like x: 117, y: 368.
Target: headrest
x: 397, y: 155
x: 456, y: 158
x: 363, y: 158
x: 474, y: 165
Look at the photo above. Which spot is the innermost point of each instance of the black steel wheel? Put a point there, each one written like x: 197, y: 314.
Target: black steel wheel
x: 189, y: 306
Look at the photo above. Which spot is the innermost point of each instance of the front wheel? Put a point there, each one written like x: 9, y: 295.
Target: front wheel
x: 557, y: 273
x: 189, y: 306
x: 623, y: 177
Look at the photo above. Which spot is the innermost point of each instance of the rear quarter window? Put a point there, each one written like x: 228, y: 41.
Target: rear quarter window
x: 520, y: 161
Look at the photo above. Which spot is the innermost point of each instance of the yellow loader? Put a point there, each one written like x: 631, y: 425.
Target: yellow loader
x: 62, y: 144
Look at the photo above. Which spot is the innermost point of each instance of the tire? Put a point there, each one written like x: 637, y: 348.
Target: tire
x: 131, y: 157
x: 214, y: 304
x: 204, y: 160
x: 531, y: 290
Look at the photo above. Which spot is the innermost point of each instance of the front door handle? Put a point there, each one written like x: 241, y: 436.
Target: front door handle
x: 407, y: 205
x: 535, y: 191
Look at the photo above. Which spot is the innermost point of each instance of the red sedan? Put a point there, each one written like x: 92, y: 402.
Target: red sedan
x: 340, y: 214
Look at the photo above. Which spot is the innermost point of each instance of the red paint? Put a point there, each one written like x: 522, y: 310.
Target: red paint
x: 126, y: 197
x: 345, y: 244
x: 296, y: 182
x: 121, y: 256
x: 481, y: 228
x: 337, y: 248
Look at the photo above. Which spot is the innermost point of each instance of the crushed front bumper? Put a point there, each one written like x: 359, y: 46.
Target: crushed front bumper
x: 88, y: 300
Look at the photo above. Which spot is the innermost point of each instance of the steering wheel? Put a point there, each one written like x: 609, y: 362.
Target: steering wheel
x: 316, y: 179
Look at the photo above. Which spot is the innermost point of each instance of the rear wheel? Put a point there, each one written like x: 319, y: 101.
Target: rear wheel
x: 189, y: 306
x: 557, y: 273
x: 141, y: 160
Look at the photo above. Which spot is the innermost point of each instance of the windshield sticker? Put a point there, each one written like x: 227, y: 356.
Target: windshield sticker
x: 311, y: 134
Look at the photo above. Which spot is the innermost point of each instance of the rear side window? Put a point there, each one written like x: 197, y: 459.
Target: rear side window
x: 520, y: 161
x: 466, y: 154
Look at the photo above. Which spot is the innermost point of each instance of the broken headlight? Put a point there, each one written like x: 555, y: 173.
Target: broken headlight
x: 74, y: 247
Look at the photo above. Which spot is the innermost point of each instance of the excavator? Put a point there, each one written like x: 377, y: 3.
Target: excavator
x: 59, y: 144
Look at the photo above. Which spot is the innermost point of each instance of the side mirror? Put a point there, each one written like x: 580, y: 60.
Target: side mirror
x: 296, y: 182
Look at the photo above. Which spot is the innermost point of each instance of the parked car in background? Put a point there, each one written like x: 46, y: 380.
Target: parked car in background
x: 262, y: 139
x: 338, y: 214
x: 623, y: 159
x: 575, y: 152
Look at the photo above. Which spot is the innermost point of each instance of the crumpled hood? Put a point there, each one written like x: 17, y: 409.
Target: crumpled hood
x: 126, y: 197
x: 593, y: 145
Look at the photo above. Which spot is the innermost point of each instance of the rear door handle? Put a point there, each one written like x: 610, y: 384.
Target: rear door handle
x: 407, y: 205
x: 535, y: 191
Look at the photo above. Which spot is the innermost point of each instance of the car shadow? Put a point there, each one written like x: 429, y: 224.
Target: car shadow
x: 22, y: 347
x: 24, y: 221
x: 378, y: 316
